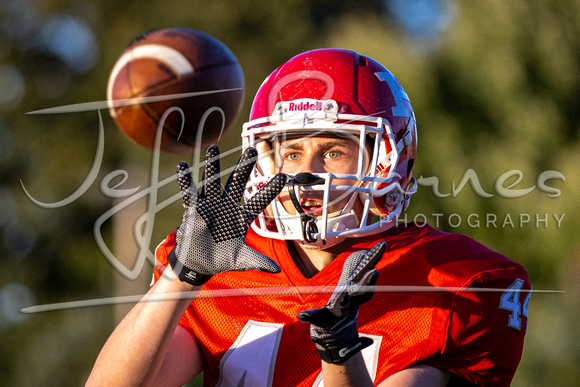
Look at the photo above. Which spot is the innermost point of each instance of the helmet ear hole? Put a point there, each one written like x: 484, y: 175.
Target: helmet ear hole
x: 410, y: 166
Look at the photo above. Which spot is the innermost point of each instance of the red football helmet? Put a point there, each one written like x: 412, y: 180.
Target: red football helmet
x: 335, y: 92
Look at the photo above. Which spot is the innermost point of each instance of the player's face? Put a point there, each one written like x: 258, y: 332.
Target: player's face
x: 320, y: 154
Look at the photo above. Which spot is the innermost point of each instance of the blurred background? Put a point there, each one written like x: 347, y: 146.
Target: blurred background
x: 496, y: 91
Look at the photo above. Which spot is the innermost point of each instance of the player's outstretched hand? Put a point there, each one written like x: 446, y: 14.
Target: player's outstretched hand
x: 334, y: 327
x: 211, y: 238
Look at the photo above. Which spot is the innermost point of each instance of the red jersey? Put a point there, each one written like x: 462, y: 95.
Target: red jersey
x: 441, y: 299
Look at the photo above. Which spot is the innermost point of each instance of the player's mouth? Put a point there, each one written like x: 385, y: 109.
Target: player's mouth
x: 312, y: 207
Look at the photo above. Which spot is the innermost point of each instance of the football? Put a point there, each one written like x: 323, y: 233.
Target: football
x: 183, y: 82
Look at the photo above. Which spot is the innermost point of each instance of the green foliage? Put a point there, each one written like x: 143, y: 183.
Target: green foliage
x: 498, y: 91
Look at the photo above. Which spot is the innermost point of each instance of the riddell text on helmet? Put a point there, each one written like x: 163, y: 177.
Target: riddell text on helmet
x: 305, y: 105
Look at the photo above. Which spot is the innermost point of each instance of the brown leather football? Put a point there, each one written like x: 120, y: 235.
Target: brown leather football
x: 183, y: 82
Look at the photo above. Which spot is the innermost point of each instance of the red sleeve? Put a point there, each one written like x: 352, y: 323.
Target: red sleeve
x: 161, y: 253
x: 486, y: 328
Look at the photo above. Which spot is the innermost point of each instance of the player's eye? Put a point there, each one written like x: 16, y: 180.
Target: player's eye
x: 333, y: 155
x: 293, y: 156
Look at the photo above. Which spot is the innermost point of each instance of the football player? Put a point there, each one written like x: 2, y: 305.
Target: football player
x: 311, y: 280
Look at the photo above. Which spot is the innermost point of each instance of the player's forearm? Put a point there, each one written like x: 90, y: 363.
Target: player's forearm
x: 137, y: 347
x: 353, y: 372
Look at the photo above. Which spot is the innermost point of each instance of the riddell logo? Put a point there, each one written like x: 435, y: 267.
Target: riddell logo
x: 312, y: 107
x: 305, y: 105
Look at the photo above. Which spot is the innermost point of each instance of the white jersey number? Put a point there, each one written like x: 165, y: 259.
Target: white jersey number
x: 251, y: 359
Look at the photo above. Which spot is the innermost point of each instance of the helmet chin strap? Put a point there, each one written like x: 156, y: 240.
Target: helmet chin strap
x: 308, y: 222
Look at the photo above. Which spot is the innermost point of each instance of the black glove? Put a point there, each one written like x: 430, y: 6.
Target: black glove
x: 211, y: 238
x: 333, y: 328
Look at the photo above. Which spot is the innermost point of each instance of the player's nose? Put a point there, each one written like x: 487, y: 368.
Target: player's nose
x: 312, y: 164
